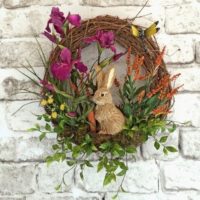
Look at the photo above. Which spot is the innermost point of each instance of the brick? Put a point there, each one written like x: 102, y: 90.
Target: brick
x: 173, y: 44
x: 23, y: 22
x: 49, y: 177
x: 12, y: 198
x: 4, y: 130
x: 13, y: 84
x: 190, y: 74
x: 149, y: 151
x: 190, y: 143
x: 138, y: 179
x: 16, y: 52
x: 34, y: 19
x: 131, y: 2
x: 25, y: 118
x: 50, y: 197
x: 21, y: 3
x: 95, y: 2
x: 185, y: 109
x: 25, y: 149
x: 158, y: 196
x: 198, y: 52
x: 181, y: 175
x: 17, y: 178
x: 184, y: 19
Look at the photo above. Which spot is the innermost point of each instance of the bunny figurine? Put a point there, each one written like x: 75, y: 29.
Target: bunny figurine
x: 110, y: 118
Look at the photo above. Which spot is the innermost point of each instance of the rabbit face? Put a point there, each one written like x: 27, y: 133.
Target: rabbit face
x: 102, y: 97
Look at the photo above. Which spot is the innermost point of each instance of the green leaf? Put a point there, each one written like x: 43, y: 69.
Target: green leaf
x: 48, y: 127
x: 171, y: 149
x: 100, y: 166
x: 115, y: 197
x: 173, y: 128
x: 122, y: 173
x: 163, y: 139
x: 81, y: 175
x: 105, y: 146
x: 165, y: 151
x: 107, y: 180
x: 131, y: 149
x: 42, y: 136
x: 71, y: 162
x: 58, y: 187
x: 32, y: 129
x: 88, y: 163
x: 127, y: 109
x: 55, y: 147
x: 156, y: 145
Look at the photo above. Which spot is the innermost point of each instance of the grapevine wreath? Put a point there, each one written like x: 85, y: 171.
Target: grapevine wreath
x: 77, y: 99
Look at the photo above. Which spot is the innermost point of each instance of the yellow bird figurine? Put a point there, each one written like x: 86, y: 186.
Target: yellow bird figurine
x: 152, y: 30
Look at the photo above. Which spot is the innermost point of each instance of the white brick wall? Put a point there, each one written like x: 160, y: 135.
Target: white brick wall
x: 23, y: 173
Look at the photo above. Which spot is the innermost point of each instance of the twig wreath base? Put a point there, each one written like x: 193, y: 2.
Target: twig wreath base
x: 123, y: 36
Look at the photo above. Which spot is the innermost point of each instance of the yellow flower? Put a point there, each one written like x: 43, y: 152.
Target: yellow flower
x: 62, y: 107
x: 50, y: 100
x: 43, y: 102
x: 54, y: 115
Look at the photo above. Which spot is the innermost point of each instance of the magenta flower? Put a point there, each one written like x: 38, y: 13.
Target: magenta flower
x: 51, y: 37
x: 105, y: 39
x: 118, y: 56
x: 62, y: 70
x: 47, y: 85
x: 58, y: 21
x: 81, y: 67
x: 74, y: 19
x: 72, y: 114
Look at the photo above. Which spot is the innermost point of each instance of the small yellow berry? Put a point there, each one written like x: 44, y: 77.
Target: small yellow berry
x: 54, y: 115
x: 43, y: 102
x: 62, y: 107
x: 50, y: 100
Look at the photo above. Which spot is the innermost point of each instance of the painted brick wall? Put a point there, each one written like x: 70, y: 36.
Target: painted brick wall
x: 23, y: 173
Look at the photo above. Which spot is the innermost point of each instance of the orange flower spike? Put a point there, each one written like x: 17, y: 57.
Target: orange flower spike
x: 173, y: 78
x: 128, y: 56
x: 161, y: 110
x: 141, y: 61
x: 129, y: 71
x: 136, y: 63
x: 159, y: 58
x: 173, y: 92
x: 92, y: 121
x: 140, y: 96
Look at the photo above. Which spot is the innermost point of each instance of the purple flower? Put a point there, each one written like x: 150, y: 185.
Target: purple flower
x: 47, y: 85
x: 74, y: 19
x: 118, y: 56
x: 62, y: 70
x: 58, y: 20
x: 72, y: 114
x: 105, y: 39
x: 81, y: 67
x: 51, y: 37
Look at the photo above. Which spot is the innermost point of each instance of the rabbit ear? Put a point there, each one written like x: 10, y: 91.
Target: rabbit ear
x: 110, y: 78
x: 99, y: 76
